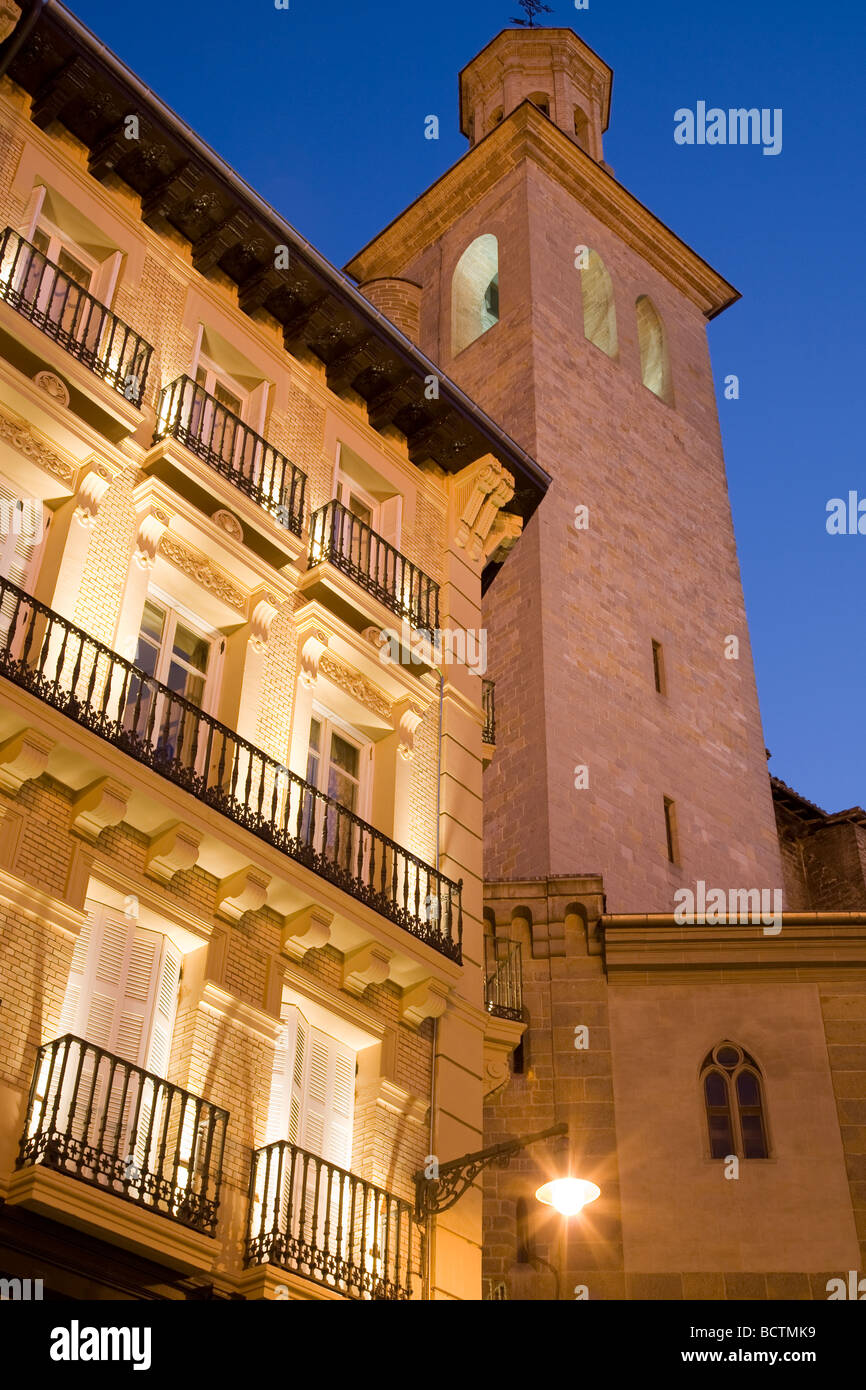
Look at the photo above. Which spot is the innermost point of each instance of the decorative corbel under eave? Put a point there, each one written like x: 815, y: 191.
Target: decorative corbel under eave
x: 152, y: 526
x: 427, y: 999
x: 305, y: 931
x: 242, y: 892
x: 482, y: 489
x: 174, y: 850
x: 23, y: 757
x: 368, y: 965
x: 93, y: 483
x: 408, y: 719
x: 310, y: 655
x: 99, y: 805
x: 264, y: 607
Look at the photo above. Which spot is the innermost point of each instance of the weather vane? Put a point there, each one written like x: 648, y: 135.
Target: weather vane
x: 533, y: 8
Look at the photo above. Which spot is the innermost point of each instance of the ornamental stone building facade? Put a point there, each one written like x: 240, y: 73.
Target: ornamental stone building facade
x: 630, y: 769
x: 289, y: 912
x: 240, y: 848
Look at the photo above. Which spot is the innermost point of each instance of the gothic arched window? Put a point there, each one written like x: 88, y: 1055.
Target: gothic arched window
x: 475, y: 292
x: 734, y: 1102
x: 654, y: 365
x: 541, y: 100
x: 599, y: 311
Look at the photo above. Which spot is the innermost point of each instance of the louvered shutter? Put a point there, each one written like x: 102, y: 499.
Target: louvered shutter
x: 329, y: 1099
x: 121, y: 996
x: 20, y: 533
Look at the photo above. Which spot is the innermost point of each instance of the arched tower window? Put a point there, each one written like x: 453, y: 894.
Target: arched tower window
x: 734, y: 1102
x: 581, y: 128
x: 599, y: 313
x: 654, y: 365
x: 541, y: 100
x: 475, y: 292
x: 497, y: 117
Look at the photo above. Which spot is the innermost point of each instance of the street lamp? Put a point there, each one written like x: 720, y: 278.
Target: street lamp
x: 437, y: 1194
x: 568, y: 1195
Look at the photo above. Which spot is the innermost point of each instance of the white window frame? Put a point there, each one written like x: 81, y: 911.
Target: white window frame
x: 103, y: 274
x: 175, y: 610
x: 331, y: 722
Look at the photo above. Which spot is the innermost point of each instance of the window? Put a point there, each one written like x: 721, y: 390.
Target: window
x: 659, y: 668
x: 496, y: 118
x: 176, y: 652
x: 599, y: 311
x: 581, y: 128
x: 654, y: 364
x: 475, y: 292
x: 338, y: 760
x: 542, y: 101
x: 122, y: 990
x: 671, y: 830
x: 733, y: 1099
x: 52, y: 278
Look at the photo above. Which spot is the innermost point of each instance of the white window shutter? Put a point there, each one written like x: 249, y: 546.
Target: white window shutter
x: 388, y: 520
x: 162, y: 1027
x: 122, y: 990
x: 20, y: 532
x: 329, y: 1099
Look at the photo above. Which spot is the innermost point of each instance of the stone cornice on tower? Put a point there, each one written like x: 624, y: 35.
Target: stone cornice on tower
x: 528, y: 50
x: 527, y: 134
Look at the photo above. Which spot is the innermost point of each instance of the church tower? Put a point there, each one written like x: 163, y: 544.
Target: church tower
x: 629, y: 739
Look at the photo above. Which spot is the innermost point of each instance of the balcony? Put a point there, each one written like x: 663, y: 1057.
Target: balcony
x: 40, y: 291
x: 329, y: 1226
x: 488, y: 731
x: 48, y: 656
x: 503, y: 979
x: 116, y: 1127
x: 351, y: 546
x: 198, y: 421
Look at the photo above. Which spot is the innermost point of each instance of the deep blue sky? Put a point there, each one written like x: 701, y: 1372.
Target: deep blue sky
x: 321, y: 108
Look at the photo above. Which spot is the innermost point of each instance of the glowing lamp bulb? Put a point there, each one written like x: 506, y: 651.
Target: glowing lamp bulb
x: 568, y: 1195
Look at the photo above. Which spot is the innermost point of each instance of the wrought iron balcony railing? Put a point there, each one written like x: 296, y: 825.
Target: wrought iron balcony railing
x: 503, y: 979
x: 122, y: 1129
x: 222, y: 440
x: 325, y: 1224
x: 71, y: 671
x: 341, y: 538
x: 488, y: 731
x: 42, y: 293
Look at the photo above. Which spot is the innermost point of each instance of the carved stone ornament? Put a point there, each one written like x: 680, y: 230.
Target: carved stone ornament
x: 151, y: 529
x: 10, y: 13
x: 489, y: 487
x: 23, y: 439
x: 229, y: 523
x: 91, y: 490
x: 51, y: 384
x: 197, y: 567
x: 265, y: 609
x: 355, y: 684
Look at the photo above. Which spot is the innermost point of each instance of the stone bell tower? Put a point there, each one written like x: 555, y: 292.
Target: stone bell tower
x: 629, y: 739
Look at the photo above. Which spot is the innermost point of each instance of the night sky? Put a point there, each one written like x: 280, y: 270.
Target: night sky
x: 321, y: 108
